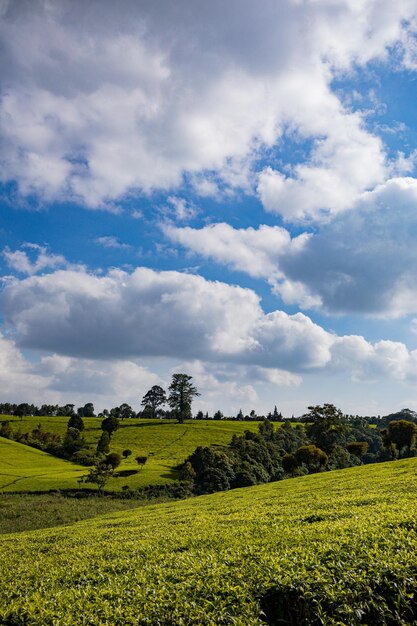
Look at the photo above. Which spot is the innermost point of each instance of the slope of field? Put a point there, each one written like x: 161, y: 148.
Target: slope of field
x: 333, y: 548
x: 165, y: 443
x: 26, y: 469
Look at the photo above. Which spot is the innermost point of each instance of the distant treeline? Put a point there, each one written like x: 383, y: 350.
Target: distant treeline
x: 125, y: 411
x: 326, y: 440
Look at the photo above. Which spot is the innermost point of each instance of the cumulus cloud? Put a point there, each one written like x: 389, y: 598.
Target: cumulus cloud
x: 363, y: 261
x: 382, y: 360
x: 58, y: 379
x: 148, y: 313
x: 20, y: 261
x: 121, y: 317
x: 206, y: 86
x: 253, y: 251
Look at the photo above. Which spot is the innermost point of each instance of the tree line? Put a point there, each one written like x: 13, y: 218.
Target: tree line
x: 326, y: 440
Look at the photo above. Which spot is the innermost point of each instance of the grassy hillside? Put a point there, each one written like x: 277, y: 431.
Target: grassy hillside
x: 165, y: 443
x: 332, y: 548
x: 26, y: 469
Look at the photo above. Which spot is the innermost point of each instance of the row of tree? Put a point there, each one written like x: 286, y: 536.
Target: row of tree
x: 327, y: 440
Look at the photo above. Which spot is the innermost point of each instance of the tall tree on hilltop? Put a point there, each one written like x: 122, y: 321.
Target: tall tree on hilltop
x: 154, y: 398
x: 181, y: 394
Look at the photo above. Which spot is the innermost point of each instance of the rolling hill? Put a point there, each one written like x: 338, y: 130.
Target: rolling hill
x: 333, y: 548
x: 165, y: 443
x: 26, y: 469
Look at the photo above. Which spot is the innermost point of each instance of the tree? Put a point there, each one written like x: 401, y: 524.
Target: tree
x: 110, y: 425
x: 73, y: 441
x: 113, y: 459
x: 126, y: 411
x: 99, y: 474
x: 75, y: 421
x: 326, y: 426
x: 312, y: 457
x: 181, y: 394
x: 358, y: 448
x: 141, y: 460
x: 154, y: 398
x: 103, y: 445
x: 87, y: 410
x: 401, y: 434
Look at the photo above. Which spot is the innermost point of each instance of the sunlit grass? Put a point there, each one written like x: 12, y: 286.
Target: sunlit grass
x: 342, y: 541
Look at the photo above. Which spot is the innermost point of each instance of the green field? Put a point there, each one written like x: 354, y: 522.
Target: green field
x: 165, y: 443
x: 26, y: 469
x: 332, y: 548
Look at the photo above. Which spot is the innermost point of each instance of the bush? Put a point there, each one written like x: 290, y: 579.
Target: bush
x: 113, y: 459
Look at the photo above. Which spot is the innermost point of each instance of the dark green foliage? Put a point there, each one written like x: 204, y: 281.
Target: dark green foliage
x: 213, y: 470
x: 110, y: 425
x: 154, y: 398
x: 326, y: 426
x: 75, y: 421
x: 266, y: 429
x: 289, y: 464
x: 126, y: 453
x: 84, y: 457
x: 401, y: 434
x: 341, y: 458
x: 113, y: 459
x: 87, y: 410
x: 289, y: 439
x: 358, y: 448
x: 99, y: 474
x: 6, y: 430
x: 141, y: 460
x: 181, y: 394
x: 187, y: 472
x: 73, y: 441
x: 312, y: 457
x: 103, y: 445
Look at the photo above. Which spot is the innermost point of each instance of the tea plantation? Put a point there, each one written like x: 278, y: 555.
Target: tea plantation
x: 335, y: 548
x: 164, y: 443
x: 26, y: 469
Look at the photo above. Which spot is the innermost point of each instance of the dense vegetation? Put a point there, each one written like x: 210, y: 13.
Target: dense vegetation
x: 164, y: 443
x: 334, y: 548
x: 327, y: 440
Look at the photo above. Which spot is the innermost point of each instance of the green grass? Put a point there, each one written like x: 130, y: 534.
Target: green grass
x: 334, y: 549
x: 26, y: 469
x: 22, y: 512
x: 165, y: 443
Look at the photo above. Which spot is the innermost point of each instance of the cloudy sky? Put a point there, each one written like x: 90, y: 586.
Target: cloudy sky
x: 226, y: 189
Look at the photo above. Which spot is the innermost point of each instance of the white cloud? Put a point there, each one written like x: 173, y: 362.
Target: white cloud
x: 109, y: 241
x: 168, y: 314
x: 20, y: 261
x: 58, y: 379
x: 91, y: 332
x: 181, y: 208
x: 206, y: 87
x: 363, y: 261
x: 253, y: 251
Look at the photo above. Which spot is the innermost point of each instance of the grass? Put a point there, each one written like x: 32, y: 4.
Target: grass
x: 26, y: 469
x: 165, y: 443
x: 22, y: 512
x: 333, y: 549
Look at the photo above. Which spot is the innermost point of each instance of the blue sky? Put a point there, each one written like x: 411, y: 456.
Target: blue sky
x: 214, y: 189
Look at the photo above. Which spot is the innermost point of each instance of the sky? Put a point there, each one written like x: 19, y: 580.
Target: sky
x: 223, y: 189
